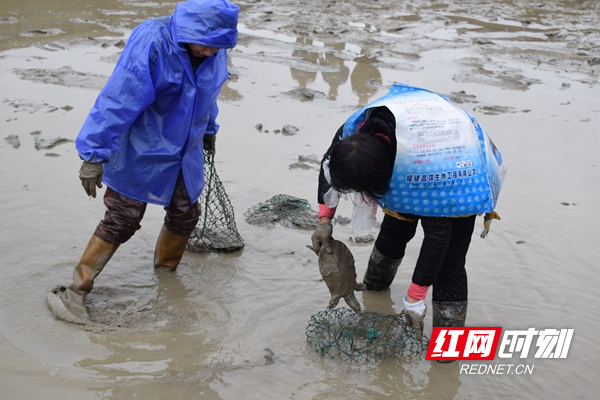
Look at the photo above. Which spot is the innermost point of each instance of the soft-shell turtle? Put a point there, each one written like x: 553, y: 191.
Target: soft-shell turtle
x: 339, y: 274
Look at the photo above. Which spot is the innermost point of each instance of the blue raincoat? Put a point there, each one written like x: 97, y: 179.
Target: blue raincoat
x: 150, y: 119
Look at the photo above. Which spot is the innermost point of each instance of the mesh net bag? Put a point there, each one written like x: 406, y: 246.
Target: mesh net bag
x: 365, y: 336
x: 285, y: 210
x: 216, y: 230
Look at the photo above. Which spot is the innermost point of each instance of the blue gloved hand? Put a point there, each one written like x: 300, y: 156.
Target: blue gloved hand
x: 415, y: 314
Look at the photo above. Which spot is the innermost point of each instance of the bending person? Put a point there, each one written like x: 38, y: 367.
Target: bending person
x: 364, y: 162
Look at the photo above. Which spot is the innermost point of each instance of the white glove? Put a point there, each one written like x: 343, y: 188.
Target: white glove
x: 415, y: 313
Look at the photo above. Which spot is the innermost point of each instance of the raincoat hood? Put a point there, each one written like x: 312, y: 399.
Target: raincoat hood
x: 211, y: 23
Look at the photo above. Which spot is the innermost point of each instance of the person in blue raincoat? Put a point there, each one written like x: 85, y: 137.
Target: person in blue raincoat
x: 146, y: 133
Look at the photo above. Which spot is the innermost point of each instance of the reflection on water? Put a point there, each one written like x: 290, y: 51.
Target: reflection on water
x: 337, y: 78
x: 365, y: 77
x: 26, y: 23
x: 301, y: 76
x: 444, y: 381
x: 380, y: 302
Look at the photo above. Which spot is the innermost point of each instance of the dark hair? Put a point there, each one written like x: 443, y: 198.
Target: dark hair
x: 363, y: 162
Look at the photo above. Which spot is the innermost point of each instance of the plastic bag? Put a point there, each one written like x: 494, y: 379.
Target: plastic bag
x: 364, y: 213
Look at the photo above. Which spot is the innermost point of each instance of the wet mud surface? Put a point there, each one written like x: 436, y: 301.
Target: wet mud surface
x: 552, y: 35
x: 232, y: 326
x: 560, y: 36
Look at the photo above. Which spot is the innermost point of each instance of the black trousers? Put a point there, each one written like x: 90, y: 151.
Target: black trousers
x: 442, y: 258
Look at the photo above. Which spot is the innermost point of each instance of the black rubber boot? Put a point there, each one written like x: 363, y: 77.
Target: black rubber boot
x: 380, y: 271
x: 449, y: 314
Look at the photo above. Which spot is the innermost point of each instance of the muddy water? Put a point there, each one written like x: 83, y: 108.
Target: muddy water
x: 529, y: 72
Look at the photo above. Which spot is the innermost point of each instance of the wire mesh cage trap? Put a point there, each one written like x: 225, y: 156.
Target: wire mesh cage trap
x: 216, y: 230
x: 365, y: 336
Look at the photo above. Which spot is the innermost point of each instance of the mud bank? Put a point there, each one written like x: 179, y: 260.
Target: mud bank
x: 232, y: 326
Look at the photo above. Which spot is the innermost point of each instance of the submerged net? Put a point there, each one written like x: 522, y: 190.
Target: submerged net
x: 285, y: 210
x: 216, y: 230
x: 366, y: 336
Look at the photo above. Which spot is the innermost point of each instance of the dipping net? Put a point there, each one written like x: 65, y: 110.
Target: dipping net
x: 366, y: 336
x: 285, y: 210
x: 216, y: 230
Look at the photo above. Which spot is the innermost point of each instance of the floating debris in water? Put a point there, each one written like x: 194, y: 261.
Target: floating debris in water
x: 342, y: 220
x: 363, y: 239
x: 45, y: 144
x: 13, y: 140
x: 289, y: 130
